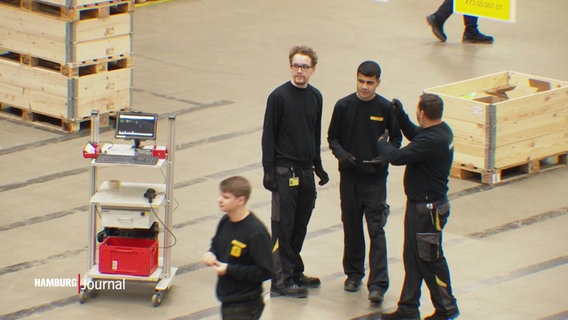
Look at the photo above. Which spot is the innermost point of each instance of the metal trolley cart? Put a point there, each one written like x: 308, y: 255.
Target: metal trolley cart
x: 130, y: 206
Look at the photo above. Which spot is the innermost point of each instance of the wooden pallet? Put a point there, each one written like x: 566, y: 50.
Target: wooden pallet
x: 70, y: 69
x: 66, y: 92
x: 51, y: 122
x: 144, y: 1
x: 496, y: 176
x: 87, y: 11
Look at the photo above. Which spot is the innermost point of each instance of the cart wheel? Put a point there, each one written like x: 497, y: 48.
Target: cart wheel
x: 83, y: 295
x: 157, y: 298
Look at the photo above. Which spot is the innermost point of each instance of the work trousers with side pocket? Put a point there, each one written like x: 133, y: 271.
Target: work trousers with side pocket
x: 424, y: 258
x: 292, y: 207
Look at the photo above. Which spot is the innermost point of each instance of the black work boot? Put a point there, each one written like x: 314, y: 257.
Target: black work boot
x: 474, y: 36
x: 352, y: 284
x: 293, y: 291
x: 307, y: 281
x: 401, y: 315
x: 376, y: 295
x: 438, y: 315
x: 437, y: 27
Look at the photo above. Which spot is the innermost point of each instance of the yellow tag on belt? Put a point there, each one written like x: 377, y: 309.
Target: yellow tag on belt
x: 294, y: 182
x: 237, y: 248
x: 377, y: 118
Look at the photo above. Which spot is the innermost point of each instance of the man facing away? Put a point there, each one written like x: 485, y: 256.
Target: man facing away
x: 291, y: 141
x: 428, y: 159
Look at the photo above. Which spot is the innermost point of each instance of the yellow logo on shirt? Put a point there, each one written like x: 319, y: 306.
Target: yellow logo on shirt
x: 377, y: 118
x: 237, y: 248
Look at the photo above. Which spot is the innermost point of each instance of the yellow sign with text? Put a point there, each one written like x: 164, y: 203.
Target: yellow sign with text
x: 503, y: 10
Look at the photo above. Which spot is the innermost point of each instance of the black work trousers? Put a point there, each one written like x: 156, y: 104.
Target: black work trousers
x: 292, y: 207
x: 446, y: 10
x: 424, y: 259
x: 243, y: 310
x: 364, y: 196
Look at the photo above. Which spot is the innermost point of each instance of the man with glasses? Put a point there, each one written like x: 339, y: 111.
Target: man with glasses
x: 357, y: 122
x: 291, y: 141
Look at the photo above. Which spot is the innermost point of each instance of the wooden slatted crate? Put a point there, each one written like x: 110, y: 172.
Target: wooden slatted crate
x: 105, y: 86
x: 504, y: 120
x: 75, y: 36
x: 61, y: 3
x: 64, y: 58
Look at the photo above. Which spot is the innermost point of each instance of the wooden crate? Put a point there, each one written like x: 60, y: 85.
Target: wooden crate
x: 504, y: 120
x: 52, y: 122
x: 68, y: 35
x: 71, y: 3
x: 63, y: 58
x: 65, y: 6
x: 44, y: 88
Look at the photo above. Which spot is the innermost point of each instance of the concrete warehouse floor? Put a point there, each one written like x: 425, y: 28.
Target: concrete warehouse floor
x: 213, y: 63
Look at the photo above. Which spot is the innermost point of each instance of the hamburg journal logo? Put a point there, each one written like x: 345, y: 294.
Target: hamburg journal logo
x: 119, y: 284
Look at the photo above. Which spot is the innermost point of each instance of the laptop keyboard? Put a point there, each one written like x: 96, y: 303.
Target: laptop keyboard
x: 140, y: 158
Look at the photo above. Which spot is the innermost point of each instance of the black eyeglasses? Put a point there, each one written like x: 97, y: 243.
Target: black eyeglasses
x: 297, y: 67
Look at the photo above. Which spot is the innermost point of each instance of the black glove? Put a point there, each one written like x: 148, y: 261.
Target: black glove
x: 322, y: 175
x: 269, y: 181
x: 384, y: 136
x: 397, y: 110
x: 346, y: 159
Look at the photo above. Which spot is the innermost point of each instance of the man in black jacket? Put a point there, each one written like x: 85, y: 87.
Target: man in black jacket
x: 291, y: 141
x: 428, y: 159
x: 357, y: 122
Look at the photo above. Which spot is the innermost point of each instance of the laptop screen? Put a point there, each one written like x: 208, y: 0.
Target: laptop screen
x: 136, y: 125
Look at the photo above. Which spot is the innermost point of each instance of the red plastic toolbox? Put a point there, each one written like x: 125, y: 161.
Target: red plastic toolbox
x: 129, y: 256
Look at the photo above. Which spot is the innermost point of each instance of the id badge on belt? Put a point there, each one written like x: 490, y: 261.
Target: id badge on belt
x: 294, y: 181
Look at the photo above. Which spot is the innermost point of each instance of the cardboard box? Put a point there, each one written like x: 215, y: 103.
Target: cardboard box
x: 129, y: 256
x: 504, y: 120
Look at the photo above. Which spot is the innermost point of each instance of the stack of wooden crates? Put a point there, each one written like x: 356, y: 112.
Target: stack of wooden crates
x: 64, y: 58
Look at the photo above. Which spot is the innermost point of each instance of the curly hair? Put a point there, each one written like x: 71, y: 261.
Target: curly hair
x: 304, y: 50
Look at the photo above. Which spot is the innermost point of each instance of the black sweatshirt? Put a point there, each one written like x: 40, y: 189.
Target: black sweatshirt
x: 355, y: 127
x: 247, y: 249
x: 428, y: 159
x: 291, y: 134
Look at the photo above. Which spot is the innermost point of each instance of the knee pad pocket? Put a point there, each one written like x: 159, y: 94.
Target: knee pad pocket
x: 428, y: 246
x: 385, y: 212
